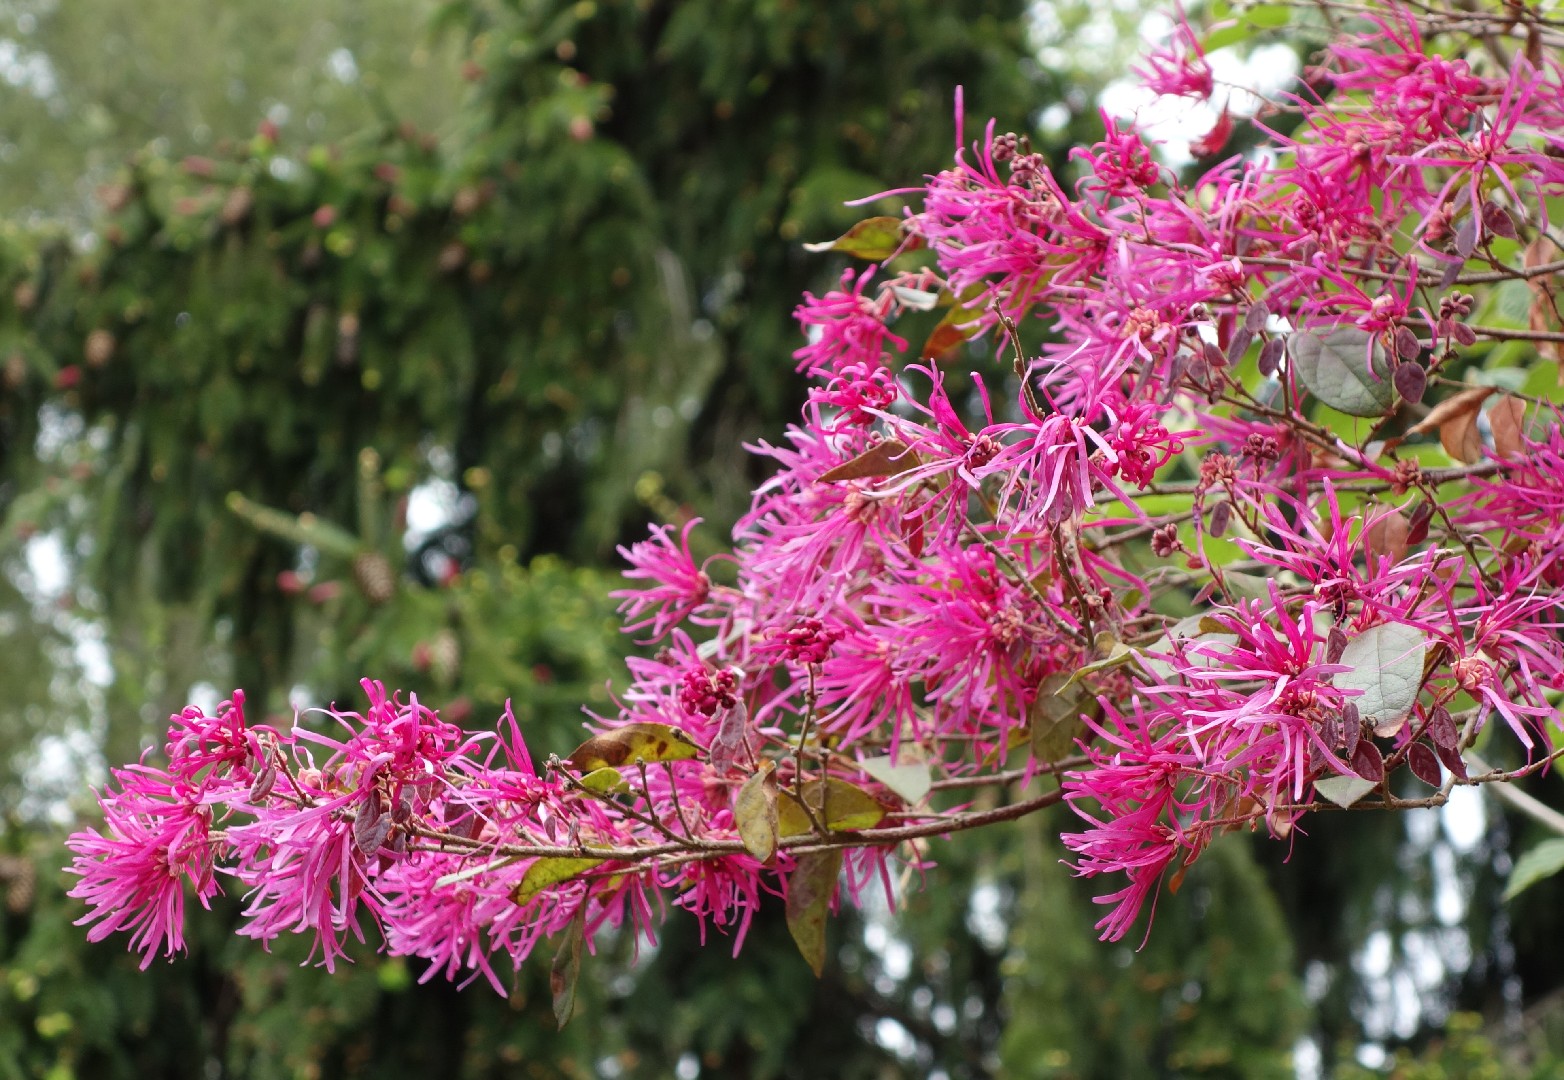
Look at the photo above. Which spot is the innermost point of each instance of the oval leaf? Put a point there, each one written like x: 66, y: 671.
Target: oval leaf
x: 1463, y: 403
x: 642, y: 741
x: 1424, y: 764
x: 1055, y: 718
x: 910, y: 780
x: 1388, y: 535
x: 1442, y: 729
x: 1411, y: 382
x: 809, y: 892
x: 1542, y: 861
x: 731, y: 740
x: 1368, y: 762
x: 1334, y: 365
x: 550, y: 870
x: 838, y: 805
x: 605, y: 781
x: 755, y: 813
x: 1386, y: 664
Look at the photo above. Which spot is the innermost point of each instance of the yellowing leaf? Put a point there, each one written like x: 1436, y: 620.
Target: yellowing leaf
x: 607, y: 781
x: 641, y: 741
x: 550, y: 870
x: 755, y: 813
x: 809, y: 892
x: 838, y: 805
x: 910, y: 780
x: 875, y: 239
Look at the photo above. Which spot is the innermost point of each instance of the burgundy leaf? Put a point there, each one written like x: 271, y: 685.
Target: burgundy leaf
x: 1411, y: 381
x: 1367, y: 761
x: 1442, y: 729
x: 1424, y: 764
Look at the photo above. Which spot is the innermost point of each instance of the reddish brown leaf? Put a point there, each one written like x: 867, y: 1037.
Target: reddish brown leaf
x: 882, y: 459
x: 1452, y: 760
x: 1388, y: 535
x: 957, y: 326
x: 1460, y: 438
x: 1543, y: 313
x: 1507, y: 418
x: 1417, y: 527
x: 566, y: 968
x: 1465, y: 403
x: 1351, y: 728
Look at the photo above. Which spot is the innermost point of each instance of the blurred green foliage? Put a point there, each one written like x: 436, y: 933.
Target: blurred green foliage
x: 89, y: 82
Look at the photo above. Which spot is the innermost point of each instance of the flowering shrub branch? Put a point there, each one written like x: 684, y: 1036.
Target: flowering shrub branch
x: 1271, y: 525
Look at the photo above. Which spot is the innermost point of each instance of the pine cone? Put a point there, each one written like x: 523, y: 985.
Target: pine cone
x: 376, y: 580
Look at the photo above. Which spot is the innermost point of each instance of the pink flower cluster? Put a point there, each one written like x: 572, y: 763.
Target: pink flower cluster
x: 965, y: 578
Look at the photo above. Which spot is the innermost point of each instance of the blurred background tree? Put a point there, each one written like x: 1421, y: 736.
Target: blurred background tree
x: 343, y: 339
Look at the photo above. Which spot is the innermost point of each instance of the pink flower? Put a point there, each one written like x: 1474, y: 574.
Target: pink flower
x: 1179, y: 68
x: 157, y: 837
x: 679, y: 587
x: 845, y: 328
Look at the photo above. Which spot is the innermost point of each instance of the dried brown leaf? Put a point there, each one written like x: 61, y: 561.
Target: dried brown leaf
x: 1507, y: 418
x: 882, y: 459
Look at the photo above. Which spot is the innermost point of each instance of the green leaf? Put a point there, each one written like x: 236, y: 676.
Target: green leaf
x: 875, y: 239
x: 1118, y: 655
x: 642, y: 741
x: 1333, y: 366
x: 1344, y: 790
x: 1245, y: 586
x: 1055, y: 718
x: 550, y: 870
x: 1386, y: 663
x: 910, y: 780
x: 1542, y: 861
x: 566, y: 968
x: 838, y: 805
x: 755, y: 813
x: 1268, y: 16
x: 809, y: 892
